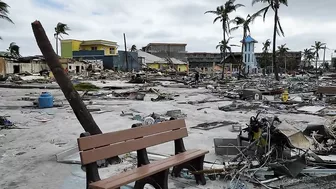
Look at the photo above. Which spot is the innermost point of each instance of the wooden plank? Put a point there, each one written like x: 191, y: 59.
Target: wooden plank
x: 86, y: 143
x: 133, y: 171
x: 93, y: 155
x: 147, y: 170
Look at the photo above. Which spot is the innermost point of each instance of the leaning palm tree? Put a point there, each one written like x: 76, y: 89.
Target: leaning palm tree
x: 274, y: 5
x: 282, y: 52
x: 317, y: 47
x: 245, y: 25
x: 59, y: 30
x: 133, y: 48
x: 14, y: 50
x: 222, y: 14
x: 4, y: 12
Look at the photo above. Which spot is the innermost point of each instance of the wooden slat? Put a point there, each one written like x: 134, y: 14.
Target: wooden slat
x: 133, y: 171
x: 93, y: 155
x: 147, y: 170
x: 100, y: 140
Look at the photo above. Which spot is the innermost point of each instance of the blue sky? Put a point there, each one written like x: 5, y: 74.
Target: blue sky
x: 183, y: 21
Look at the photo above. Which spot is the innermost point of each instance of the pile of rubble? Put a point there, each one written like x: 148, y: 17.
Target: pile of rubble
x: 269, y: 150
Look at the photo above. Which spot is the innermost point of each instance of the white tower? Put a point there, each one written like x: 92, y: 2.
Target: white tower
x: 249, y: 59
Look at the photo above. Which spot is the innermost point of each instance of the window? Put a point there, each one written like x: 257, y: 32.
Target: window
x: 112, y: 50
x: 245, y: 47
x: 249, y: 47
x: 248, y: 58
x: 245, y: 59
x: 70, y: 68
x: 94, y: 48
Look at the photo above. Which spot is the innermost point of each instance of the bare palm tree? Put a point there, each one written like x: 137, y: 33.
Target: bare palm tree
x: 59, y: 30
x: 4, y: 12
x: 222, y: 14
x: 282, y: 52
x: 274, y: 5
x: 133, y: 48
x: 14, y: 50
x: 317, y: 47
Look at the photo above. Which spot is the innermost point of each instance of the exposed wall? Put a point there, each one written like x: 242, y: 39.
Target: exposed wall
x: 12, y: 67
x: 66, y: 49
x: 182, y: 67
x: 2, y: 66
x: 106, y: 49
x: 76, y: 67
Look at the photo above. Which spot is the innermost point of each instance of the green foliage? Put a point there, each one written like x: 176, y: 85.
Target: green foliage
x: 86, y: 87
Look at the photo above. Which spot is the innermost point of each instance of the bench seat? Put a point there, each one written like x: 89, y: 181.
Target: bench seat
x: 147, y: 170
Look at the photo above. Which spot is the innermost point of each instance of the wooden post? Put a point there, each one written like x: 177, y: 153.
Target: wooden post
x: 126, y: 59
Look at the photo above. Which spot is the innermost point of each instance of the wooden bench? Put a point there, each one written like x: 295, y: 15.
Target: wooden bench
x: 103, y: 146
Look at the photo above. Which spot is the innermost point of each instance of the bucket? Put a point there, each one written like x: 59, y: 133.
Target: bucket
x: 46, y: 100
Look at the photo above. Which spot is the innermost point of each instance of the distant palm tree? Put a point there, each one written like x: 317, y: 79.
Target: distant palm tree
x: 226, y: 46
x: 14, y: 50
x: 275, y: 5
x: 59, y: 30
x: 265, y: 49
x: 245, y: 24
x: 222, y: 12
x: 4, y: 12
x: 308, y: 56
x: 317, y: 47
x: 133, y: 48
x: 282, y: 52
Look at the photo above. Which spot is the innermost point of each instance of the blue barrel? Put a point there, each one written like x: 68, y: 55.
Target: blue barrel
x: 46, y: 100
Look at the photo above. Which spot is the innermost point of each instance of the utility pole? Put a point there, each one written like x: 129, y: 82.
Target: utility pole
x: 125, y: 52
x: 324, y: 54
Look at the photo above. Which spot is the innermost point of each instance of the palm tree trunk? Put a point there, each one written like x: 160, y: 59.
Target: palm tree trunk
x: 57, y: 45
x: 242, y: 53
x: 224, y: 51
x: 316, y: 67
x: 275, y: 67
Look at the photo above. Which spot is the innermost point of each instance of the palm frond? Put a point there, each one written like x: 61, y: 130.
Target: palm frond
x: 212, y: 12
x: 280, y: 31
x: 238, y: 6
x: 284, y: 2
x: 234, y: 28
x: 5, y: 17
x: 217, y: 18
x: 258, y: 1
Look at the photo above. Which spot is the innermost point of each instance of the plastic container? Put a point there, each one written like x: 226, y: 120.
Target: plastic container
x: 46, y: 100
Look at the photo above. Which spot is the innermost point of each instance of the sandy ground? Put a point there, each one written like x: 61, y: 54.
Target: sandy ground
x: 27, y: 156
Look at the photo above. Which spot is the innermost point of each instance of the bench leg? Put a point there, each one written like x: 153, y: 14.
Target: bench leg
x: 158, y: 181
x: 193, y: 165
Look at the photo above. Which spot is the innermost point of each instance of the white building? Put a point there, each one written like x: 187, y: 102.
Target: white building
x: 249, y: 59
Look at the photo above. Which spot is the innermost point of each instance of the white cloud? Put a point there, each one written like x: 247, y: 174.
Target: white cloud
x: 160, y: 21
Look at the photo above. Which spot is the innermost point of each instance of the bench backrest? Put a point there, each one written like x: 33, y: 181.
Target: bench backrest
x: 102, y: 146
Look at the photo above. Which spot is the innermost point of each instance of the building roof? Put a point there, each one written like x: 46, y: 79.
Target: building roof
x: 177, y: 61
x: 249, y: 39
x: 181, y: 44
x: 150, y: 59
x: 93, y: 42
x: 99, y: 42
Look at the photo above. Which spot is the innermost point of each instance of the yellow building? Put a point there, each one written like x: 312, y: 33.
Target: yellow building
x: 158, y: 63
x: 68, y: 46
